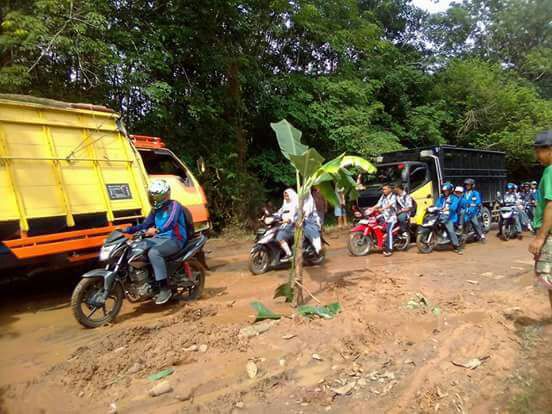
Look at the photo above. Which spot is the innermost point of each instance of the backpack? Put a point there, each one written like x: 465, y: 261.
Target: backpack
x: 189, y: 222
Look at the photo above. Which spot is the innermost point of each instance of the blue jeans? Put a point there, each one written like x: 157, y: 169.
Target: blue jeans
x: 474, y: 220
x: 389, y: 244
x: 159, y: 249
x: 449, y: 227
x: 404, y: 221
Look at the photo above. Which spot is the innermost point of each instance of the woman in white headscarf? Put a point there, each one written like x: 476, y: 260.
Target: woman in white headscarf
x: 288, y: 213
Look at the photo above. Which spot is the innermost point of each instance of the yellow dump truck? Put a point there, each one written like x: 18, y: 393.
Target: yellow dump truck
x: 69, y: 175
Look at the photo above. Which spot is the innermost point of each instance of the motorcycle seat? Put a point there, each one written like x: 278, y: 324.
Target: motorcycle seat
x: 191, y: 244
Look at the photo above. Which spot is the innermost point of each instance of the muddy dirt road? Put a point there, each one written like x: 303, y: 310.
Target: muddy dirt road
x: 408, y: 323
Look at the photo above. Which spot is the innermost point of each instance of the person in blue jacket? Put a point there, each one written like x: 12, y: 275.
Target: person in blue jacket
x: 165, y: 228
x: 448, y: 204
x: 472, y: 202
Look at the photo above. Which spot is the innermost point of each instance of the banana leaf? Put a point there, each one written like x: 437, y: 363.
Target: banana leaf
x: 326, y: 312
x: 284, y: 291
x: 289, y: 138
x: 308, y: 163
x: 263, y: 312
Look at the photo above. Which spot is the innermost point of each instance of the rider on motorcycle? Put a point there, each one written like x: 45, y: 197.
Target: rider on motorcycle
x: 288, y: 214
x: 448, y: 204
x: 405, y: 207
x: 472, y: 200
x: 165, y: 228
x: 387, y: 205
x: 312, y: 224
x: 511, y: 199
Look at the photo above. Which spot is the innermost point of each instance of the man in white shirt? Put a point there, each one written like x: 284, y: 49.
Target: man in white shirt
x: 405, y: 207
x: 387, y: 205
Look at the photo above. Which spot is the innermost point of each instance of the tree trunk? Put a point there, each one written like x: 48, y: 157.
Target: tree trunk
x: 234, y: 92
x: 298, y: 260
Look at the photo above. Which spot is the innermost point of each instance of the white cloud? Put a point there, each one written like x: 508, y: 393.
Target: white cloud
x: 432, y: 6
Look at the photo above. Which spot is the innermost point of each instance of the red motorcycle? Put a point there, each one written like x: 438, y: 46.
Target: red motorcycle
x: 371, y: 232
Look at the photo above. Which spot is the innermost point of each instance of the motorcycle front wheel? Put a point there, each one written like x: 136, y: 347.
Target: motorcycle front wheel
x: 259, y: 261
x: 359, y: 244
x: 88, y: 314
x: 505, y: 232
x: 424, y: 245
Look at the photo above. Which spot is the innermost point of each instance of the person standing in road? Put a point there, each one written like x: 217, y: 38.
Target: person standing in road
x: 387, y: 205
x: 472, y: 200
x: 321, y: 205
x: 541, y: 246
x: 340, y: 211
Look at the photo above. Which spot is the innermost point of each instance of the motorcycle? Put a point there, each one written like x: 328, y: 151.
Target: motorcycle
x: 128, y: 273
x: 370, y: 231
x: 469, y: 232
x: 508, y: 216
x: 267, y: 254
x: 432, y: 232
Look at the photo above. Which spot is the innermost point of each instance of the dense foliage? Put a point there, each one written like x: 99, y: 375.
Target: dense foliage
x: 356, y: 76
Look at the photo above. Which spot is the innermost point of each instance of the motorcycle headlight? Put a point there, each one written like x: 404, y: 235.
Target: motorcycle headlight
x: 105, y: 252
x: 430, y: 222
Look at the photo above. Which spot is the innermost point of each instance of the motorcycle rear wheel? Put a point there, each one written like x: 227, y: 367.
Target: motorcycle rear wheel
x: 359, y: 245
x: 259, y: 261
x: 84, y: 291
x: 423, y: 245
x: 402, y: 243
x: 198, y: 273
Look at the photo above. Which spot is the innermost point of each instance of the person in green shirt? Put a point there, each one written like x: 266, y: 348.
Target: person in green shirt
x: 541, y: 246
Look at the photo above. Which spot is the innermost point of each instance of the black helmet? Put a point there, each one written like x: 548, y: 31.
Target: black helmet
x: 469, y: 181
x: 544, y: 139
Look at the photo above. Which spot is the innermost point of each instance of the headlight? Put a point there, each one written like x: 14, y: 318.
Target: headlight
x: 268, y: 221
x: 430, y: 222
x: 105, y: 252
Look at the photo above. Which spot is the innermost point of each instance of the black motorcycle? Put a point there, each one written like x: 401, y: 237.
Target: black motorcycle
x: 98, y: 297
x: 266, y: 253
x: 432, y: 232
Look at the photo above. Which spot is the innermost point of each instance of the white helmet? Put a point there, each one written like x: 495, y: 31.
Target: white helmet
x: 159, y: 192
x: 459, y: 189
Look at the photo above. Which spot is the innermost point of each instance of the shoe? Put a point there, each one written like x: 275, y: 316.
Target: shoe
x: 459, y: 251
x: 286, y: 258
x: 163, y: 297
x: 520, y: 236
x: 387, y: 254
x: 483, y: 240
x: 405, y: 234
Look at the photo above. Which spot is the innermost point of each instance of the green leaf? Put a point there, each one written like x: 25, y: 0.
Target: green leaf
x: 326, y: 312
x: 161, y: 374
x: 359, y: 162
x: 284, y: 291
x: 289, y: 138
x: 263, y: 312
x: 328, y: 192
x: 307, y: 163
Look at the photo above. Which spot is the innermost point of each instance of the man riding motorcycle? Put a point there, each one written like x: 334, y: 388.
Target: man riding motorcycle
x: 448, y: 203
x: 405, y: 208
x: 472, y: 208
x: 387, y: 205
x: 166, y: 230
x: 511, y: 199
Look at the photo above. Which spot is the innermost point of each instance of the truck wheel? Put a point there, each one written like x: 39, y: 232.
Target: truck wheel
x: 91, y: 316
x: 423, y: 245
x: 487, y: 219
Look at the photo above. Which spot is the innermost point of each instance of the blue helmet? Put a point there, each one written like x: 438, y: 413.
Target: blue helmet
x: 469, y: 181
x: 511, y: 186
x: 447, y: 187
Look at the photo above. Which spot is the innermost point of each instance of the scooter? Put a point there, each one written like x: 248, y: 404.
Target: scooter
x: 267, y: 254
x: 371, y: 231
x: 432, y: 232
x: 508, y: 215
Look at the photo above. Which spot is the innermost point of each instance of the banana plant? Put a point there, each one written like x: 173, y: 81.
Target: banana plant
x: 311, y: 171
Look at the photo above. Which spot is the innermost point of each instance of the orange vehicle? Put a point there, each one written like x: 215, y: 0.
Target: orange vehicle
x: 69, y: 175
